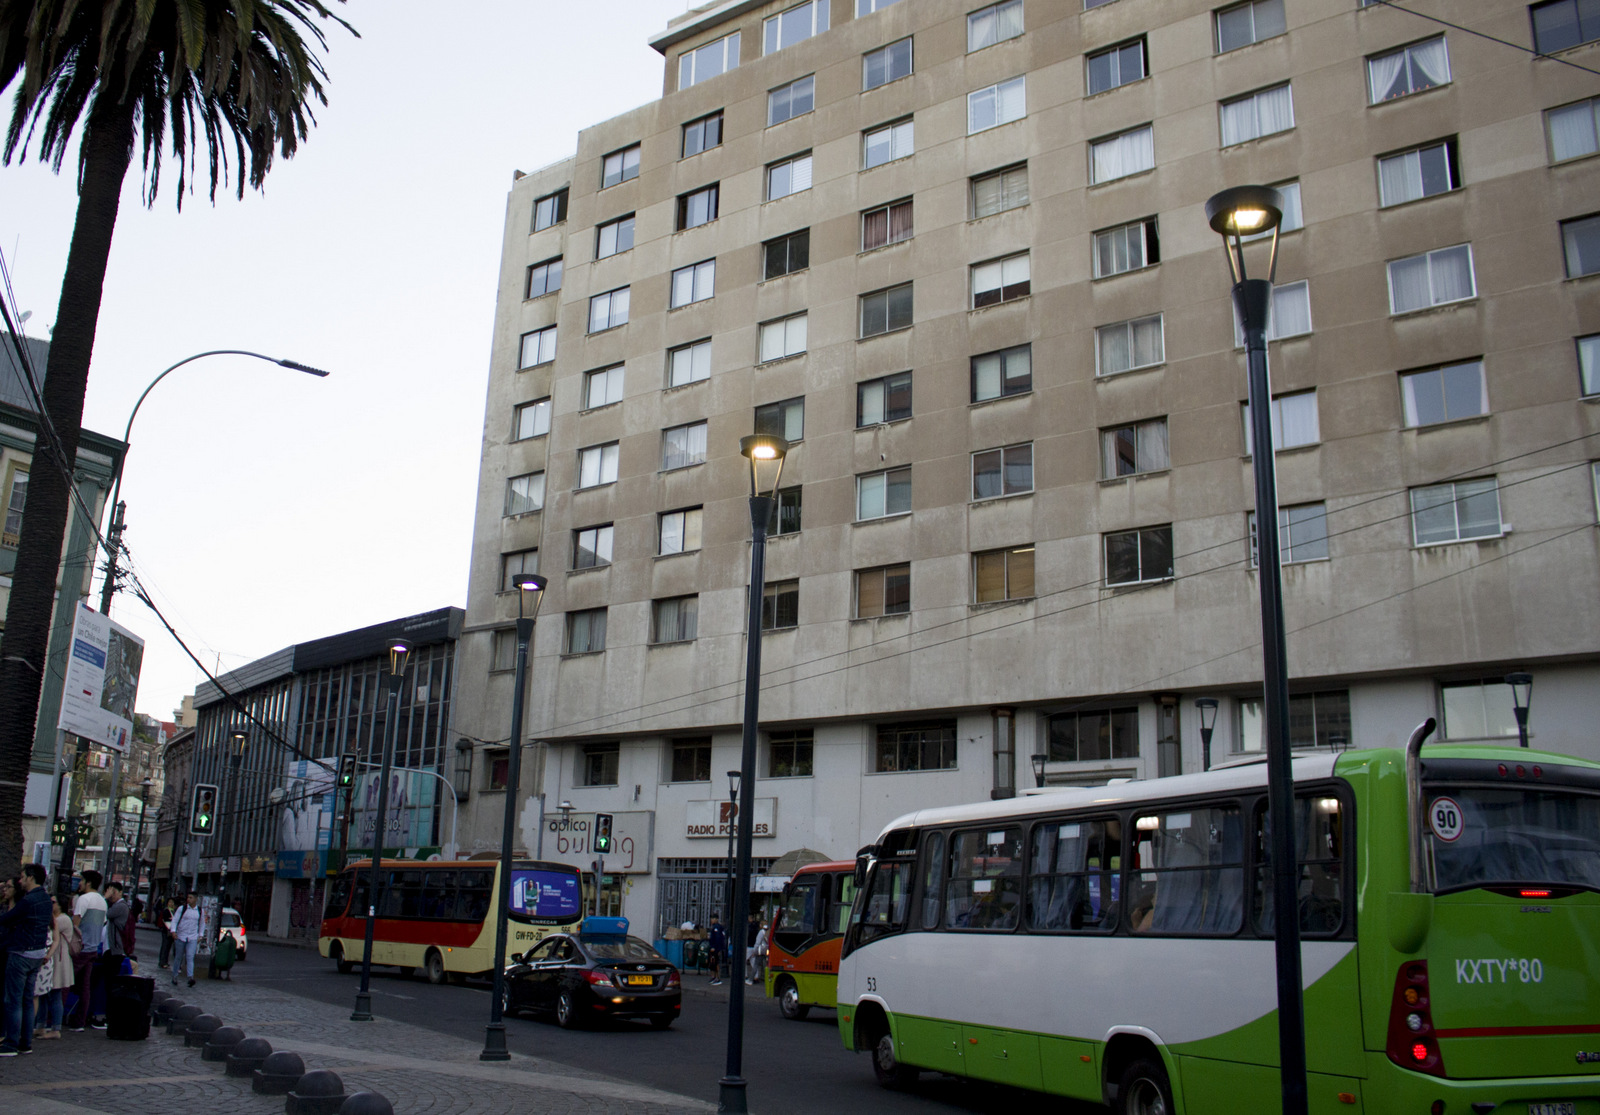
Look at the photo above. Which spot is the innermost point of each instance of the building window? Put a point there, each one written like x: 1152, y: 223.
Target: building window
x: 1126, y: 248
x: 597, y: 465
x: 698, y: 207
x: 602, y: 387
x: 689, y: 363
x: 599, y: 764
x: 926, y: 745
x: 1315, y: 720
x: 1250, y: 22
x: 1581, y: 240
x: 784, y: 337
x: 786, y: 254
x: 538, y: 347
x: 785, y: 512
x: 1082, y: 737
x: 531, y: 420
x: 702, y: 134
x: 996, y: 375
x: 789, y: 752
x: 1420, y: 172
x: 1121, y: 155
x: 1482, y: 709
x: 795, y: 25
x: 885, y: 591
x: 1135, y: 448
x: 886, y: 399
x: 1294, y: 422
x: 1000, y: 280
x: 780, y: 605
x: 1002, y: 575
x: 1588, y: 365
x: 1293, y: 218
x: 888, y: 224
x: 994, y: 24
x: 678, y: 532
x: 997, y: 104
x: 1257, y: 114
x: 544, y: 278
x: 706, y: 62
x: 523, y: 493
x: 676, y: 620
x: 694, y: 283
x: 518, y: 561
x: 890, y: 63
x: 1128, y: 345
x: 1302, y: 534
x: 1290, y: 316
x: 1444, y: 394
x: 1002, y: 472
x: 1456, y: 512
x: 682, y: 446
x: 613, y: 237
x: 504, y: 650
x: 619, y: 166
x: 1574, y: 130
x: 791, y: 100
x: 691, y: 759
x: 1431, y: 279
x: 591, y: 547
x: 1560, y: 24
x: 881, y: 494
x: 608, y: 310
x: 496, y: 769
x: 1136, y: 556
x: 1117, y: 65
x: 550, y: 210
x: 786, y: 419
x: 1411, y: 69
x: 867, y: 7
x: 789, y: 176
x: 887, y: 143
x: 884, y: 311
x: 1000, y: 190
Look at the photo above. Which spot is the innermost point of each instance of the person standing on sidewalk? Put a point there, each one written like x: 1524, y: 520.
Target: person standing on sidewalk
x: 717, y: 943
x: 110, y: 962
x: 185, y: 937
x: 89, y: 918
x: 55, y: 976
x: 164, y: 915
x: 27, y: 931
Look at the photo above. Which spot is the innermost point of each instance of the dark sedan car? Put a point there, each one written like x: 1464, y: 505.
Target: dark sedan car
x: 579, y: 977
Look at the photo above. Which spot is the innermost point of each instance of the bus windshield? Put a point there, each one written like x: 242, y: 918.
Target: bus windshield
x: 540, y: 893
x: 1496, y: 836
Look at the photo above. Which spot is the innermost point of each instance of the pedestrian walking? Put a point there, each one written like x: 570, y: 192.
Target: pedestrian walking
x: 89, y: 919
x: 55, y: 975
x: 185, y: 938
x: 26, y: 927
x: 164, y: 915
x: 717, y: 943
x: 757, y: 959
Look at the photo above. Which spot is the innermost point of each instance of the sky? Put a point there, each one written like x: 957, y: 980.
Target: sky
x: 267, y: 507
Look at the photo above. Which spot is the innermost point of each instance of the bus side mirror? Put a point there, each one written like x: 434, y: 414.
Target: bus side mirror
x: 862, y: 858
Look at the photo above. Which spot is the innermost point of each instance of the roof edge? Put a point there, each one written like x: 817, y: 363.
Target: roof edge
x: 692, y: 24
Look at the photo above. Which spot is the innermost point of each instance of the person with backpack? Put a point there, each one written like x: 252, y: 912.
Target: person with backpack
x: 185, y: 937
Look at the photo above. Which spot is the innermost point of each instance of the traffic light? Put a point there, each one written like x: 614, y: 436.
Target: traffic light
x: 203, y: 817
x: 602, y: 833
x: 347, y: 772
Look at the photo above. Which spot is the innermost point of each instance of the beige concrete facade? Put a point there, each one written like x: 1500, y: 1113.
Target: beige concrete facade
x: 1381, y: 619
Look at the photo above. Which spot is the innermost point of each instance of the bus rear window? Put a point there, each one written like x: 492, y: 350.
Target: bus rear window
x: 1481, y: 836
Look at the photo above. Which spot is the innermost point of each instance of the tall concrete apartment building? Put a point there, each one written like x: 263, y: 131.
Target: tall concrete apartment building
x: 957, y: 254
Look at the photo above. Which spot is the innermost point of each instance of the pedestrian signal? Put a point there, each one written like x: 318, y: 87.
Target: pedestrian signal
x: 203, y: 818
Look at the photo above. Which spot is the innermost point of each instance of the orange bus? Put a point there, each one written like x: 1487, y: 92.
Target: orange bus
x: 803, y: 942
x: 441, y: 916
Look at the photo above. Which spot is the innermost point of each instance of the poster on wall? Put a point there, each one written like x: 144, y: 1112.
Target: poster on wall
x: 102, y: 680
x: 409, y: 822
x: 306, y: 823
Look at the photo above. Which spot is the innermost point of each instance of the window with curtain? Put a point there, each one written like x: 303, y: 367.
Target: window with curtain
x: 586, y: 634
x: 1293, y: 218
x: 544, y: 278
x: 678, y: 532
x: 694, y: 283
x: 1589, y: 363
x: 885, y: 591
x: 887, y: 143
x: 1001, y: 280
x: 1002, y: 575
x: 505, y: 657
x: 1294, y: 422
x: 706, y: 62
x: 1121, y: 155
x: 1290, y: 315
x: 884, y: 311
x: 1302, y: 533
x: 1431, y: 279
x: 531, y: 420
x: 1264, y: 112
x: 682, y: 446
x: 1580, y: 238
x: 619, y: 166
x: 885, y: 399
x: 887, y: 224
x: 1117, y: 65
x: 675, y: 620
x: 1135, y: 448
x: 1573, y: 130
x: 1420, y: 172
x: 1444, y: 394
x: 785, y: 337
x: 538, y: 347
x: 1134, y: 556
x: 994, y: 24
x: 881, y: 494
x: 1411, y: 69
x: 608, y: 310
x: 786, y: 254
x: 591, y: 547
x: 886, y: 64
x: 1128, y: 345
x: 789, y: 176
x: 602, y: 387
x: 702, y: 134
x: 689, y: 363
x: 1561, y: 24
x: 698, y: 207
x: 788, y: 101
x: 997, y: 104
x: 786, y: 419
x: 1126, y: 248
x: 1002, y: 472
x: 613, y: 237
x: 996, y: 375
x: 1456, y: 512
x: 597, y: 465
x: 1000, y: 190
x: 794, y: 25
x: 523, y: 494
x: 1242, y: 24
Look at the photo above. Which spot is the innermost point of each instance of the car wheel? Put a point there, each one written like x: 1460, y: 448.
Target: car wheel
x: 566, y: 1011
x: 661, y: 1021
x: 789, y: 1001
x: 506, y: 1009
x: 336, y: 950
x: 1145, y: 1089
x: 433, y: 967
x: 887, y: 1067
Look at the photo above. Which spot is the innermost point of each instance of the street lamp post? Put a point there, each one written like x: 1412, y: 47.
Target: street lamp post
x: 494, y: 1037
x: 1207, y: 707
x: 398, y: 652
x: 1234, y: 214
x: 138, y: 840
x: 1039, y: 760
x: 1521, y: 700
x: 765, y: 453
x: 733, y: 817
x: 235, y: 761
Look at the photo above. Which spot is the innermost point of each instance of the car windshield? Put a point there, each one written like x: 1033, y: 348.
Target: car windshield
x: 619, y: 948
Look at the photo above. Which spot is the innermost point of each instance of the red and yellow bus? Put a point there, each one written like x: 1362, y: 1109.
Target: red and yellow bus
x: 441, y: 916
x: 803, y: 943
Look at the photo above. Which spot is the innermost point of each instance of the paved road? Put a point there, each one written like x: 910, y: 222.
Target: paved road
x: 793, y: 1068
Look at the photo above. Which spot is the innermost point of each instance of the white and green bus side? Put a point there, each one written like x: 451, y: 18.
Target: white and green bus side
x: 1115, y: 944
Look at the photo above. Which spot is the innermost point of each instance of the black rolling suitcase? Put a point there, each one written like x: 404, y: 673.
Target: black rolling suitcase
x: 128, y: 1007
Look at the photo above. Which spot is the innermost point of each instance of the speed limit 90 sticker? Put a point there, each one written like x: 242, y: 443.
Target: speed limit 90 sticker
x: 1444, y: 817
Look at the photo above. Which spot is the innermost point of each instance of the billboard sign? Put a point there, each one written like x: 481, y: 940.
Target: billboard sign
x: 102, y: 680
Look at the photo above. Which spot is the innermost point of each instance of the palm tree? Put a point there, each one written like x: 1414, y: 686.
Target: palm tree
x: 235, y: 72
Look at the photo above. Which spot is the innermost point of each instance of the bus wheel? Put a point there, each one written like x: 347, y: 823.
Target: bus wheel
x: 433, y: 967
x: 1145, y: 1089
x: 886, y: 1067
x: 336, y: 950
x: 789, y: 1001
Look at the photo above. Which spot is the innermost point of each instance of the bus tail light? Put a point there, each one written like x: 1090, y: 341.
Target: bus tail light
x: 1412, y: 1042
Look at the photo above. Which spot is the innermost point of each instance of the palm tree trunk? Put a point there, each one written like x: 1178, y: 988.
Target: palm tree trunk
x: 107, y: 150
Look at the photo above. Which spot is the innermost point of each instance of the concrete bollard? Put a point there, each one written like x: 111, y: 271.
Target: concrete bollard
x: 366, y: 1103
x: 222, y: 1042
x: 319, y: 1092
x: 278, y: 1074
x: 247, y: 1056
x: 200, y: 1030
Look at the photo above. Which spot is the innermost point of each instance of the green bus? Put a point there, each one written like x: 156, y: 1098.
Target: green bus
x: 1115, y: 944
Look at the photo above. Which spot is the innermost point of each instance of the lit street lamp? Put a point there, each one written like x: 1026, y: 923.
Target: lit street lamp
x: 399, y: 651
x: 1234, y: 214
x: 765, y: 452
x: 1521, y: 700
x: 1207, y: 707
x: 528, y: 585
